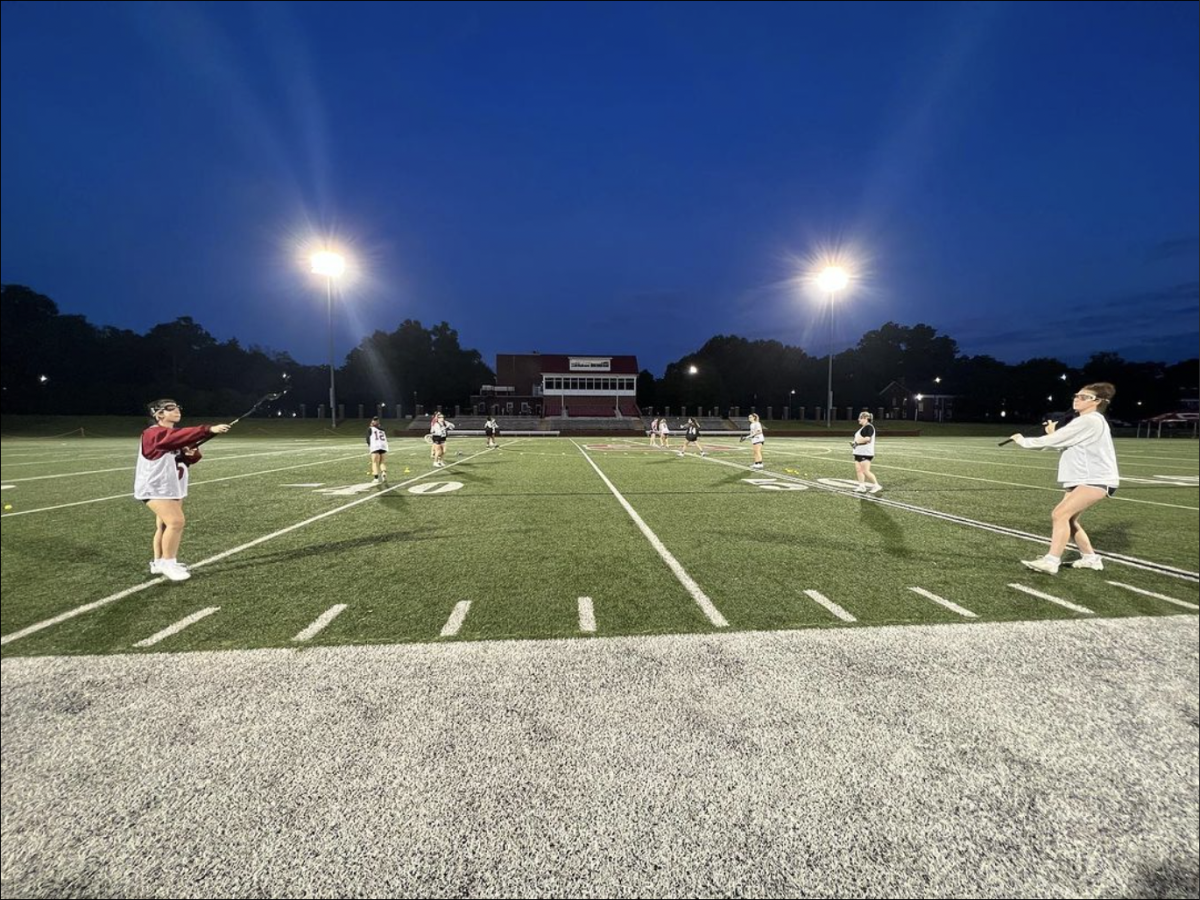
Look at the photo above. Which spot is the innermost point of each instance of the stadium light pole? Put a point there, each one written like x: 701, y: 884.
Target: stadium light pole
x: 831, y: 280
x: 331, y: 265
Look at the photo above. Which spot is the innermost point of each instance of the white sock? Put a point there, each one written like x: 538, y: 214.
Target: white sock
x: 167, y: 561
x: 1050, y: 557
x: 1090, y: 556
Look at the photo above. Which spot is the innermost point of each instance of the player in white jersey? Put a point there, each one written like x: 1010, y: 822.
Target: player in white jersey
x: 160, y: 480
x: 654, y: 432
x: 377, y: 444
x: 863, y: 448
x: 1087, y: 471
x: 664, y: 433
x: 757, y: 439
x: 491, y: 430
x: 439, y: 430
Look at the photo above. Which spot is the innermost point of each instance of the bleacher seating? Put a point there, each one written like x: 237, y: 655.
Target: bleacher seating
x: 708, y: 424
x: 476, y: 423
x: 587, y: 408
x: 592, y: 424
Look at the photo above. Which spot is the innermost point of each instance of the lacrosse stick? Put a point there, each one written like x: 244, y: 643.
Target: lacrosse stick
x: 266, y: 398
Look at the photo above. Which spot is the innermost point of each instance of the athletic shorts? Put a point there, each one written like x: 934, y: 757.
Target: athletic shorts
x: 1104, y: 487
x: 858, y: 458
x: 489, y: 432
x: 439, y: 439
x: 692, y: 440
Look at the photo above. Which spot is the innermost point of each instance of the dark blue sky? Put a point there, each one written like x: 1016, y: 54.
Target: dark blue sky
x: 611, y: 178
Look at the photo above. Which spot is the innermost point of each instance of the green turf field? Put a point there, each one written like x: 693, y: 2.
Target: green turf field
x: 288, y: 536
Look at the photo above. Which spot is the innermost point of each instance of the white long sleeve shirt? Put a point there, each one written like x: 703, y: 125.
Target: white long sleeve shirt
x: 1088, y: 453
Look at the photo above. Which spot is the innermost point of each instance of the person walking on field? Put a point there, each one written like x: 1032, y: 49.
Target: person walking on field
x: 863, y: 448
x: 377, y: 444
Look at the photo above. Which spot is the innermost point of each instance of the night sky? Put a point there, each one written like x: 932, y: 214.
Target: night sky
x: 611, y: 178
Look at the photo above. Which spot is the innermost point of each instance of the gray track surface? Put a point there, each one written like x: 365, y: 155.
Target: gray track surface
x: 1036, y: 759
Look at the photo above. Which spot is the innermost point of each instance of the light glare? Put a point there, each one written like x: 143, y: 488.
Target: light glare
x: 328, y: 263
x: 833, y: 278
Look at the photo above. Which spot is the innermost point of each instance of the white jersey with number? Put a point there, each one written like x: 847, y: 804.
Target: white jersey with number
x: 377, y: 440
x: 756, y: 433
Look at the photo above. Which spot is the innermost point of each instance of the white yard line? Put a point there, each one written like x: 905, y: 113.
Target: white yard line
x: 1132, y: 561
x: 950, y: 605
x: 319, y: 624
x: 209, y: 459
x: 830, y: 605
x: 1144, y: 592
x: 128, y: 495
x: 689, y: 584
x: 88, y: 607
x: 1018, y: 484
x: 587, y: 615
x: 177, y: 627
x: 1059, y: 600
x: 457, y: 616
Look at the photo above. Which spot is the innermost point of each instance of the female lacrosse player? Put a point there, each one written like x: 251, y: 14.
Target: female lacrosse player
x: 863, y: 448
x: 1087, y: 471
x: 654, y: 432
x: 492, y: 430
x: 691, y: 437
x: 377, y: 444
x: 439, y: 430
x: 756, y: 440
x: 161, y: 480
x: 664, y: 433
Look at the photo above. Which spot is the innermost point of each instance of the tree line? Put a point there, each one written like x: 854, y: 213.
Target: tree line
x: 62, y: 364
x: 730, y: 370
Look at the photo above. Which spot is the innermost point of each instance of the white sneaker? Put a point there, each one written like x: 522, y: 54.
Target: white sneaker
x: 1097, y: 563
x: 174, y: 571
x: 704, y: 453
x: 155, y: 565
x: 757, y: 466
x: 1041, y: 564
x: 681, y: 453
x: 875, y: 489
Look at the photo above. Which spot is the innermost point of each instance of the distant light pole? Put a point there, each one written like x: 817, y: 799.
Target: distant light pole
x: 331, y: 265
x: 831, y: 280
